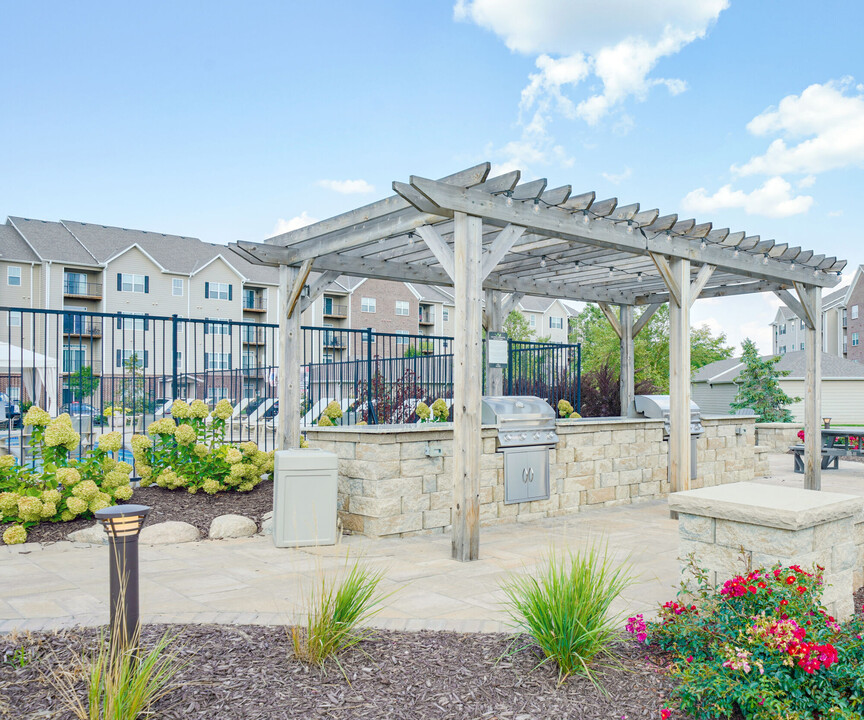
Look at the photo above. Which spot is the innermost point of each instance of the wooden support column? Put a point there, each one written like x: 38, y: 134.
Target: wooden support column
x: 291, y: 281
x: 811, y: 302
x: 467, y: 386
x: 679, y: 374
x: 494, y: 323
x: 628, y: 363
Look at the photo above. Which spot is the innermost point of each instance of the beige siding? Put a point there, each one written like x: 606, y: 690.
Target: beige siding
x: 716, y: 399
x: 842, y: 400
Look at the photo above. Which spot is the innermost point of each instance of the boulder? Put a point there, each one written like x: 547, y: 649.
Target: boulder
x: 169, y: 533
x: 95, y: 535
x: 267, y: 523
x: 232, y: 526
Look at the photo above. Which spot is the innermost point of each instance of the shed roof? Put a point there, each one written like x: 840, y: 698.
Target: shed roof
x: 833, y: 368
x: 571, y: 246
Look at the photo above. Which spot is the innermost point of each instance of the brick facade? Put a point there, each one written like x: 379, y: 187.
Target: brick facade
x: 856, y: 325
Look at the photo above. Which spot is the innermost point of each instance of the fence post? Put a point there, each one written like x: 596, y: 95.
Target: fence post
x: 509, y: 366
x: 579, y: 378
x: 373, y: 419
x: 174, y: 379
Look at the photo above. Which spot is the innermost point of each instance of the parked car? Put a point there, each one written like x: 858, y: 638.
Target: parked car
x: 81, y: 409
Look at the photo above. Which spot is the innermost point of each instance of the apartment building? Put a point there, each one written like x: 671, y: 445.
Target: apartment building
x: 548, y: 318
x: 842, y: 323
x: 82, y: 267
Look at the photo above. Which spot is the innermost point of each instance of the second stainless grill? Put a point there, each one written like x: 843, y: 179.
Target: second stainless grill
x: 526, y: 432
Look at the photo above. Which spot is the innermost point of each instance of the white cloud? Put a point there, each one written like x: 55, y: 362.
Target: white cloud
x: 347, y: 187
x: 573, y: 40
x: 821, y: 129
x: 301, y: 220
x: 774, y: 199
x: 806, y: 182
x: 619, y: 178
x: 835, y: 213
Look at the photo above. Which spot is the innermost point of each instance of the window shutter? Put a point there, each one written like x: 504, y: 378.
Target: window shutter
x: 229, y: 361
x: 146, y: 358
x: 146, y: 326
x: 146, y: 283
x: 230, y: 292
x: 206, y: 290
x: 119, y: 324
x: 119, y: 358
x: 119, y: 282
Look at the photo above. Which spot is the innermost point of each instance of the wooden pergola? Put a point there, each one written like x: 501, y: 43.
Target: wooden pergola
x: 498, y: 236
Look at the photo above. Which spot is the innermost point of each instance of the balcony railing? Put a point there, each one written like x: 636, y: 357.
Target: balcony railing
x: 335, y: 311
x: 79, y: 288
x: 427, y: 317
x: 255, y: 304
x: 78, y: 327
x: 253, y: 336
x: 333, y: 341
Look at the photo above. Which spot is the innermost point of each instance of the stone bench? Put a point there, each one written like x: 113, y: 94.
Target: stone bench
x: 769, y: 524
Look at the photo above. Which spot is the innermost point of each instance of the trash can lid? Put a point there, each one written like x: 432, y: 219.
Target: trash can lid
x: 305, y: 459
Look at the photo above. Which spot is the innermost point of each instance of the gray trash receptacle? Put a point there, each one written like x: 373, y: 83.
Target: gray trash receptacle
x: 304, y: 498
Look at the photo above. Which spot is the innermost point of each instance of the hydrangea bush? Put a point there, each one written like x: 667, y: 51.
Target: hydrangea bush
x: 55, y: 486
x: 192, y: 453
x: 762, y: 646
x: 437, y: 412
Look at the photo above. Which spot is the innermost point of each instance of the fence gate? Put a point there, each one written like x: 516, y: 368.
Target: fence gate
x: 552, y: 371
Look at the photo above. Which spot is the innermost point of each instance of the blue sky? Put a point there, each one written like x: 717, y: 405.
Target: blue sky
x: 228, y: 121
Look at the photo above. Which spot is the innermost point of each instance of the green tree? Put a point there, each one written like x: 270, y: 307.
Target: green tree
x: 82, y: 383
x: 517, y: 328
x: 759, y: 389
x: 601, y: 347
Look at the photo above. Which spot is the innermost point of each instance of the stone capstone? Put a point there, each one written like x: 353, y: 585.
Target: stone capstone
x: 95, y: 535
x: 232, y: 526
x: 169, y: 533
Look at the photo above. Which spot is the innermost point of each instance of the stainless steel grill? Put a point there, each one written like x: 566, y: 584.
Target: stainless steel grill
x: 656, y: 407
x: 526, y: 432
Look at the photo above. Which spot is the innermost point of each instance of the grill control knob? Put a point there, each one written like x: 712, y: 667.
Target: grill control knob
x: 523, y: 436
x: 536, y: 435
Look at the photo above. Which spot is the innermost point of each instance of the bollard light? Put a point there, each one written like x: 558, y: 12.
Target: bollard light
x: 827, y: 422
x: 123, y: 523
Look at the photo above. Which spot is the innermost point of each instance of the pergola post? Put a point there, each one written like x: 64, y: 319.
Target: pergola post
x: 628, y: 367
x: 811, y: 300
x: 679, y: 375
x: 291, y: 280
x: 494, y: 323
x: 467, y: 385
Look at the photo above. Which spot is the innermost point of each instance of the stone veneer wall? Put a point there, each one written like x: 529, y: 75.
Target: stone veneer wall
x: 778, y: 436
x: 397, y: 480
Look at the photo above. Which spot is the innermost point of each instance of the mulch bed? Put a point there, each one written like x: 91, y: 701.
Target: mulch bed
x: 249, y: 673
x: 198, y: 509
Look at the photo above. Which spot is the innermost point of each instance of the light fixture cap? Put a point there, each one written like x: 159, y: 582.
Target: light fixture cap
x: 122, y: 521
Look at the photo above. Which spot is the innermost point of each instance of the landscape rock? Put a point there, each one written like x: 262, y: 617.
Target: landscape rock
x: 169, y: 533
x: 95, y: 535
x: 267, y: 523
x: 232, y: 526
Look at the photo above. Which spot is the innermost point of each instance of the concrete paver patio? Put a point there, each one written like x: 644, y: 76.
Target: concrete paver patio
x: 250, y: 581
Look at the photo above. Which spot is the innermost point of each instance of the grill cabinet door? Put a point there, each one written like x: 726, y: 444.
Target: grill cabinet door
x: 526, y: 474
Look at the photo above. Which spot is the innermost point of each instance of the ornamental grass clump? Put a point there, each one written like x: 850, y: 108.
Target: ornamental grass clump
x: 336, y: 608
x: 566, y: 610
x: 56, y: 486
x: 761, y: 646
x: 120, y: 682
x: 190, y: 452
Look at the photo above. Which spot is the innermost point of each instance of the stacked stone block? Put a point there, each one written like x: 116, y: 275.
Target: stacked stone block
x: 398, y: 480
x: 731, y: 528
x: 778, y: 437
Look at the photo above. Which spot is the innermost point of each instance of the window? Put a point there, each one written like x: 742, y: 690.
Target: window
x: 367, y: 305
x: 556, y: 323
x: 782, y: 349
x: 179, y: 357
x: 532, y: 321
x: 221, y: 327
x: 217, y: 361
x: 249, y: 334
x: 127, y: 282
x: 802, y: 346
x: 401, y: 337
x: 328, y: 357
x: 126, y: 358
x: 74, y: 359
x: 177, y: 287
x: 132, y: 323
x: 445, y: 315
x: 13, y: 275
x: 217, y: 291
x: 249, y: 360
x: 782, y: 329
x: 854, y: 312
x: 802, y: 324
x: 401, y: 307
x: 75, y: 283
x: 854, y: 339
x: 14, y: 394
x: 249, y: 390
x: 217, y: 394
x: 14, y: 318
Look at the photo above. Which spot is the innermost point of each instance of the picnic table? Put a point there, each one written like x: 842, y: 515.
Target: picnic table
x: 836, y: 443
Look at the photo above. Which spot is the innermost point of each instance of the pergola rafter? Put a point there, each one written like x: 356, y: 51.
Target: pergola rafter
x: 502, y: 236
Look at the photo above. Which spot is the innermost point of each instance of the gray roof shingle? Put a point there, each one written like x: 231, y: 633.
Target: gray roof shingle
x: 725, y: 371
x: 13, y: 247
x: 52, y: 241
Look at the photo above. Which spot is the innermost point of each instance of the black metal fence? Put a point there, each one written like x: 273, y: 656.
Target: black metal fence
x: 122, y: 371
